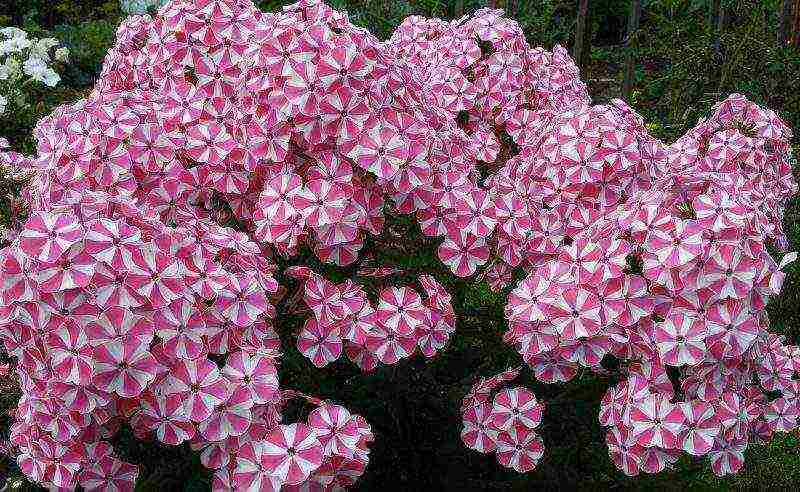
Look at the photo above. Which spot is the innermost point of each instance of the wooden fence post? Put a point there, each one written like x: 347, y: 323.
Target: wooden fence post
x: 458, y: 10
x: 630, y: 60
x: 718, y: 28
x: 713, y: 13
x: 580, y: 32
x: 512, y: 9
x: 784, y: 22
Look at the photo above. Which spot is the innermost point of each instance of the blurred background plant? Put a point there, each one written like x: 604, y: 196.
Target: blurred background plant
x: 84, y: 28
x: 689, y: 58
x: 26, y: 62
x: 687, y: 55
x: 140, y: 6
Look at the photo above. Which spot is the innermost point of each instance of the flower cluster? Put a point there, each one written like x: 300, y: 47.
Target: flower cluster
x: 392, y: 330
x: 115, y: 316
x: 504, y: 424
x: 520, y: 109
x: 24, y: 61
x: 220, y: 140
x: 130, y: 293
x: 655, y: 254
x: 327, y: 452
x: 675, y: 277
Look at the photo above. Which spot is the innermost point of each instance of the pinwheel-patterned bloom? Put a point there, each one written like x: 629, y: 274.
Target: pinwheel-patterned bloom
x: 381, y: 151
x: 507, y: 425
x: 336, y: 429
x: 292, y: 453
x: 516, y: 407
x: 125, y: 368
x: 681, y: 340
x: 155, y: 276
x: 434, y: 332
x: 325, y: 300
x: 389, y: 346
x: 656, y: 460
x: 200, y: 384
x: 229, y: 419
x: 727, y: 456
x: 118, y: 324
x: 73, y: 270
x: 625, y: 452
x: 464, y: 253
x: 781, y: 415
x: 736, y: 326
x: 253, y: 470
x: 243, y: 301
x: 400, y: 310
x: 320, y: 202
x: 112, y: 242
x: 166, y: 416
x: 701, y: 427
x: 180, y: 327
x: 254, y: 372
x: 576, y: 313
x: 519, y: 448
x: 46, y: 235
x: 109, y: 474
x: 655, y: 422
x: 71, y: 355
x: 204, y: 277
x: 478, y: 432
x: 55, y: 463
x: 208, y: 142
x: 277, y: 198
x: 19, y: 278
x: 678, y: 245
x: 319, y: 343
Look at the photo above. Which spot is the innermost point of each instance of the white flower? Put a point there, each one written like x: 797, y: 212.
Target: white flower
x: 62, y: 55
x: 41, y: 48
x: 788, y: 259
x: 35, y: 67
x: 51, y: 78
x: 6, y: 236
x: 11, y: 46
x: 13, y: 32
x: 5, y: 48
x: 3, y: 106
x: 17, y: 45
x: 10, y: 69
x: 49, y: 42
x: 38, y: 70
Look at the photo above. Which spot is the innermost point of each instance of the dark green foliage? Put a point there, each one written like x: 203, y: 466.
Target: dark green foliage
x: 50, y: 13
x: 681, y: 73
x: 88, y: 43
x: 545, y: 22
x: 162, y: 467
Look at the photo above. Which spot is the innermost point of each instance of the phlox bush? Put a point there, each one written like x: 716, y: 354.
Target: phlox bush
x: 220, y: 141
